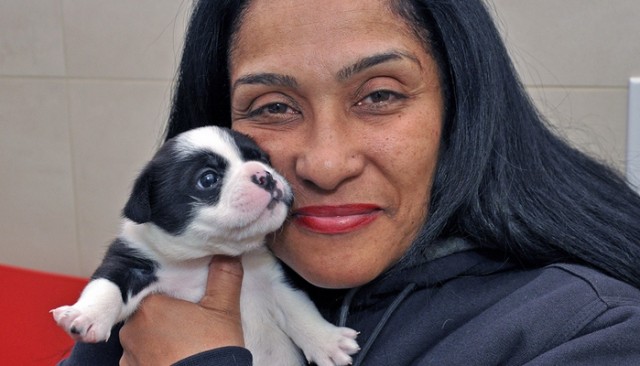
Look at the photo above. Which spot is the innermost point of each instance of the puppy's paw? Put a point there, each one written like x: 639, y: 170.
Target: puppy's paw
x: 82, y: 325
x: 334, y: 347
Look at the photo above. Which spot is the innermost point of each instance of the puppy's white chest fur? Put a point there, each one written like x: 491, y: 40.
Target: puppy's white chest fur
x: 272, y: 313
x: 184, y: 281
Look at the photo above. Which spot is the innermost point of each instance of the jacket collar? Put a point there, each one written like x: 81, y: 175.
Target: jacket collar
x: 442, y: 262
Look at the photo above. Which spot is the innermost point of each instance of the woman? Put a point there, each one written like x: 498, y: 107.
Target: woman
x: 435, y: 213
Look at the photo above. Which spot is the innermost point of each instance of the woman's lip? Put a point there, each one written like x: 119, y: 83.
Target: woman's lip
x: 336, y: 219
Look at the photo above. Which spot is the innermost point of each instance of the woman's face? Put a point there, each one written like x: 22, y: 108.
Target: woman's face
x: 346, y: 100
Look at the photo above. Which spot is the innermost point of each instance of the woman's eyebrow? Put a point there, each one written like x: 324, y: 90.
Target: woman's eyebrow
x: 373, y: 60
x: 273, y: 79
x: 267, y: 79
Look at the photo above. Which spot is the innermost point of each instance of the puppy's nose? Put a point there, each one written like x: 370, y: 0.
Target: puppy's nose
x: 264, y: 180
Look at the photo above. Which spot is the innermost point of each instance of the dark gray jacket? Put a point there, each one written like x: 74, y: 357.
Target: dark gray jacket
x: 468, y: 308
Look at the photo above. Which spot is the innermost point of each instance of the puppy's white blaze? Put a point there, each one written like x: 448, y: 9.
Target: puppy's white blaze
x: 207, y: 138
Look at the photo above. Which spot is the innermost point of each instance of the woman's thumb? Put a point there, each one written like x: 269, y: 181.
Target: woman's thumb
x: 223, y: 286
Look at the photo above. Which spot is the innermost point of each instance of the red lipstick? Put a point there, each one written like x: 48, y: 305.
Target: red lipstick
x: 339, y: 219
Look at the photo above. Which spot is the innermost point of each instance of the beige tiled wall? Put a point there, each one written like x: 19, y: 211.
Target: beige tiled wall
x: 576, y: 57
x: 84, y: 91
x: 85, y: 87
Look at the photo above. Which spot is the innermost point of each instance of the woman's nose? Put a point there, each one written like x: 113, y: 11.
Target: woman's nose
x: 331, y: 156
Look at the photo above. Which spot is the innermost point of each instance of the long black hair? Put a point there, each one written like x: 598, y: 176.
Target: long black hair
x: 201, y: 95
x: 504, y: 180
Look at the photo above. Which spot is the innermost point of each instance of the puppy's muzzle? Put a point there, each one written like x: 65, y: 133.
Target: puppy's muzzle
x: 266, y: 181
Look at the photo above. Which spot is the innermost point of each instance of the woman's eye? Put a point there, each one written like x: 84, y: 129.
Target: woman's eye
x: 207, y: 180
x: 273, y: 109
x: 277, y: 108
x: 380, y: 97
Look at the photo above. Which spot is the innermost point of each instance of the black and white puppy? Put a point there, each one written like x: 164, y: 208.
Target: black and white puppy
x: 206, y: 192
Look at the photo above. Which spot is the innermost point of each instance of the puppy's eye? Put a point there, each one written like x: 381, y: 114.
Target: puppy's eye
x: 207, y: 180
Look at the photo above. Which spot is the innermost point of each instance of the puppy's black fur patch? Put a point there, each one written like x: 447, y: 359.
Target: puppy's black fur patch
x: 163, y: 196
x: 127, y: 268
x: 249, y: 149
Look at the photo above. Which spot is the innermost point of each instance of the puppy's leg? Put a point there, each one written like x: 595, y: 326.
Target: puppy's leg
x: 118, y: 286
x: 320, y: 341
x: 263, y: 335
x: 91, y: 318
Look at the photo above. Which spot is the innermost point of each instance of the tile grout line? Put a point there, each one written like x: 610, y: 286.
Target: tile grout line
x: 72, y: 162
x: 105, y: 79
x: 548, y: 87
x: 85, y: 78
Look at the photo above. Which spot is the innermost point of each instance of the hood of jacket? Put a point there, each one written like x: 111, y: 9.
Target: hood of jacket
x: 443, y: 261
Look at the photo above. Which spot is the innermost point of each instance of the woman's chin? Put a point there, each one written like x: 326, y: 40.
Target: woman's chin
x: 335, y: 274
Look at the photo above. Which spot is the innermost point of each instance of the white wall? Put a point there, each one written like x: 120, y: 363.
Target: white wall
x: 85, y: 87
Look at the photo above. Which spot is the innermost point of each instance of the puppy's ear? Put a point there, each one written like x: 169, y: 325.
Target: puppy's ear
x: 138, y: 208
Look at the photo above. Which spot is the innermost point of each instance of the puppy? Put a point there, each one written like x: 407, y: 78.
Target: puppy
x: 206, y: 192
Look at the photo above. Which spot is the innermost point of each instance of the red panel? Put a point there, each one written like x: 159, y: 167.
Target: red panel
x: 28, y: 333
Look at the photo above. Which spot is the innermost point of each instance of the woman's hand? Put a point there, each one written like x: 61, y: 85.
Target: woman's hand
x: 165, y: 330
